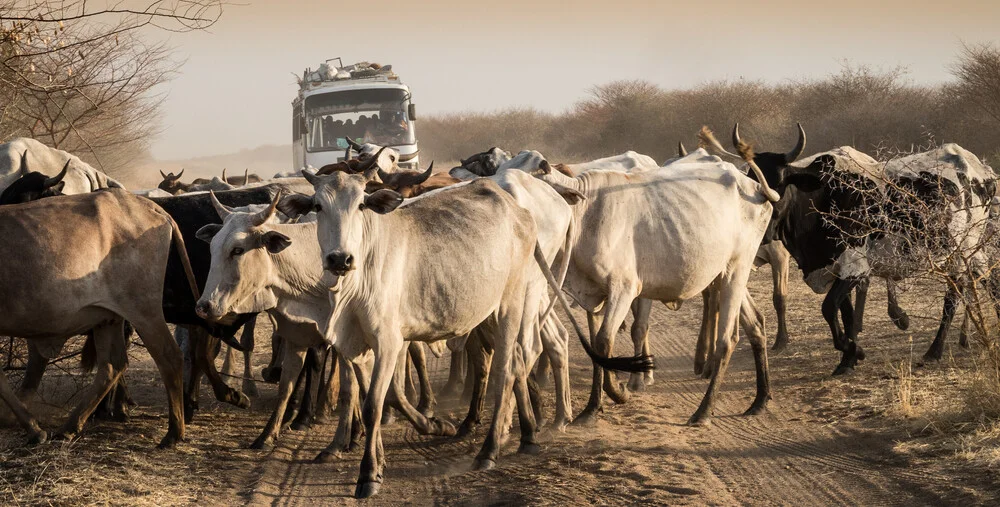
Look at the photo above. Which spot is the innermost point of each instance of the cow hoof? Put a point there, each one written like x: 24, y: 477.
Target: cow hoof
x: 560, y: 425
x: 636, y: 383
x: 262, y: 444
x: 859, y: 353
x: 442, y: 428
x: 240, y: 400
x: 271, y: 375
x: 843, y: 370
x: 326, y: 457
x: 647, y: 377
x: 466, y: 428
x: 189, y: 411
x: 529, y: 448
x: 38, y: 438
x: 779, y: 345
x: 64, y: 436
x: 485, y: 464
x: 301, y: 425
x: 169, y: 442
x: 250, y: 388
x: 902, y: 322
x: 427, y: 412
x: 700, y: 419
x: 757, y: 408
x: 586, y: 418
x: 367, y: 489
x: 707, y: 372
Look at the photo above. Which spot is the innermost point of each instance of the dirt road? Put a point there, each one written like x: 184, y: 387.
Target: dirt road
x: 825, y: 440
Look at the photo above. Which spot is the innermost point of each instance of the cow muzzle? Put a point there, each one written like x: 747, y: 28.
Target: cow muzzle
x: 339, y: 263
x: 206, y: 310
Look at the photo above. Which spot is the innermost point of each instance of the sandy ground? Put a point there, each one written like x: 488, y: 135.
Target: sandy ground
x: 825, y: 440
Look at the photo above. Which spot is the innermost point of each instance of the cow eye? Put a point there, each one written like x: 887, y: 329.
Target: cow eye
x: 237, y: 251
x: 317, y: 208
x: 362, y: 206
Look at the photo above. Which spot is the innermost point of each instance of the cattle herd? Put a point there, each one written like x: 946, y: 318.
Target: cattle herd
x: 362, y: 267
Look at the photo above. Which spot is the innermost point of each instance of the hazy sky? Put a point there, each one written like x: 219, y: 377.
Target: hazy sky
x: 236, y: 87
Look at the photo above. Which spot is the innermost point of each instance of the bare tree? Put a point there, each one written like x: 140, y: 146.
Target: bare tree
x: 978, y: 73
x: 78, y: 75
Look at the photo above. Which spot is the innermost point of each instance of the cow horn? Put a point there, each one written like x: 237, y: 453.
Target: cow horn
x: 736, y: 136
x: 681, y: 150
x: 179, y: 174
x: 224, y: 180
x: 24, y: 162
x: 223, y: 210
x: 53, y: 181
x: 427, y: 174
x: 164, y: 175
x: 353, y: 144
x: 348, y: 153
x: 796, y: 152
x: 246, y: 176
x: 746, y: 153
x: 263, y: 216
x: 367, y: 168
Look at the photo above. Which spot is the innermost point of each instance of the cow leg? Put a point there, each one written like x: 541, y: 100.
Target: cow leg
x: 705, y: 349
x: 456, y: 374
x: 502, y: 380
x: 951, y: 300
x: 307, y: 410
x: 387, y: 353
x: 752, y: 323
x: 541, y: 371
x: 220, y: 388
x: 839, y: 299
x: 555, y: 343
x: 33, y: 372
x: 228, y: 371
x: 291, y: 366
x: 860, y: 300
x: 110, y: 364
x: 480, y: 355
x: 397, y: 400
x: 272, y: 372
x: 731, y: 297
x: 294, y: 401
x: 615, y: 309
x: 348, y: 411
x: 247, y: 341
x: 527, y: 416
x: 963, y: 336
x: 328, y: 389
x: 780, y: 260
x: 419, y: 357
x: 192, y: 387
x: 896, y: 314
x: 163, y: 349
x: 641, y: 309
x: 36, y: 435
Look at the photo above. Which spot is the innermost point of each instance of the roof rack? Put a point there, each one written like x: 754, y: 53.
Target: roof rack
x: 361, y: 70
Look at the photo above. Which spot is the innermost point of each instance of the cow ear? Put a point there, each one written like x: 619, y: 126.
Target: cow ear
x: 383, y: 201
x: 803, y: 181
x: 275, y: 241
x: 570, y: 195
x: 206, y: 233
x: 57, y: 188
x: 295, y: 205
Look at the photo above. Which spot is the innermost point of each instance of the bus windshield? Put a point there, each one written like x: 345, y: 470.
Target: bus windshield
x: 377, y: 116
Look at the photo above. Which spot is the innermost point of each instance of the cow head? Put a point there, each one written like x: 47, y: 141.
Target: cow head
x: 406, y: 183
x: 239, y: 279
x: 487, y: 162
x: 34, y: 185
x: 172, y: 183
x: 770, y: 163
x: 388, y: 158
x: 342, y: 209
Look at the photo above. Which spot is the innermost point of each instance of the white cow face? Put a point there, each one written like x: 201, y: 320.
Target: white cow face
x: 240, y: 278
x: 388, y: 158
x: 342, y: 212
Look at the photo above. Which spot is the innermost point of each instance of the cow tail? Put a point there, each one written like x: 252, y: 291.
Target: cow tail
x: 563, y: 268
x: 630, y: 364
x: 178, y: 240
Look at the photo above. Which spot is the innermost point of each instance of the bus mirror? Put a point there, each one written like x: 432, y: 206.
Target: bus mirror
x: 411, y: 111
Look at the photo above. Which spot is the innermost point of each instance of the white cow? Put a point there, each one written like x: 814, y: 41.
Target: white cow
x: 668, y: 236
x: 280, y: 272
x: 437, y: 268
x: 80, y: 177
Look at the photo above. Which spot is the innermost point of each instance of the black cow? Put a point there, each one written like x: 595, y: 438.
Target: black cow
x: 34, y: 186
